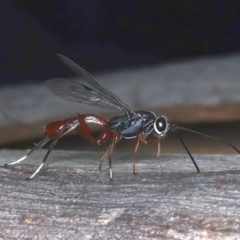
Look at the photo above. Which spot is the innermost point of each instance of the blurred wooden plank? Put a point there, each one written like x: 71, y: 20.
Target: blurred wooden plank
x: 71, y: 199
x: 203, y: 89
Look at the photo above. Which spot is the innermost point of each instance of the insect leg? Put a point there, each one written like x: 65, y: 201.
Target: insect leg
x: 67, y: 127
x: 115, y: 139
x: 141, y: 137
x: 83, y: 128
x: 51, y: 147
x: 158, y: 154
x: 39, y: 145
x: 105, y: 135
x: 105, y: 155
x: 158, y: 140
x: 135, y: 156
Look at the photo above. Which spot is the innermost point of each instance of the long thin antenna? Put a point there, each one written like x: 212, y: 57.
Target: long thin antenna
x: 175, y: 128
x: 20, y: 123
x: 190, y: 155
x: 208, y: 136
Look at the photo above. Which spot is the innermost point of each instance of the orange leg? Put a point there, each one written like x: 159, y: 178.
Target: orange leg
x: 55, y: 130
x: 115, y: 139
x: 141, y: 138
x: 158, y: 154
x: 85, y: 132
x: 158, y: 151
x: 79, y: 122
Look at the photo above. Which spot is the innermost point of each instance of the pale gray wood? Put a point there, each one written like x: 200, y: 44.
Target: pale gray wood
x: 195, y: 90
x: 71, y: 199
x: 201, y: 82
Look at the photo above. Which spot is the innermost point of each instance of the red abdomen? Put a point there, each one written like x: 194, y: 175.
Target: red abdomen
x: 52, y: 129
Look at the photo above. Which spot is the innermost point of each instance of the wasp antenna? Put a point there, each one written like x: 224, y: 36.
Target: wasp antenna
x: 59, y: 55
x: 190, y: 155
x: 20, y: 123
x: 208, y: 136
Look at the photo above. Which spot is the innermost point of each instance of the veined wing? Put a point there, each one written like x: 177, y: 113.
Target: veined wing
x: 84, y: 88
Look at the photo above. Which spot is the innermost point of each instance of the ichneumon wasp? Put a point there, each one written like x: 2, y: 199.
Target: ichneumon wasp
x: 84, y: 88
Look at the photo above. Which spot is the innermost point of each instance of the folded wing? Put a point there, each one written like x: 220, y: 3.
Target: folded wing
x: 84, y: 88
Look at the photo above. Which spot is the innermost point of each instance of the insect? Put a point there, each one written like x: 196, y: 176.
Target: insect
x: 84, y: 88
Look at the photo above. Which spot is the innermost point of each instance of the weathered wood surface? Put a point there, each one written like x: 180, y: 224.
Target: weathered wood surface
x: 71, y: 199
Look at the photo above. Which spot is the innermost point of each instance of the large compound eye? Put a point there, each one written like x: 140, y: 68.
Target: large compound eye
x: 161, y: 125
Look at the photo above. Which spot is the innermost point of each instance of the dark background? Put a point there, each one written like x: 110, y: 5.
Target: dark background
x: 103, y: 35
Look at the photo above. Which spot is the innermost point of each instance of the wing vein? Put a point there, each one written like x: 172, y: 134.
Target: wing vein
x: 84, y: 88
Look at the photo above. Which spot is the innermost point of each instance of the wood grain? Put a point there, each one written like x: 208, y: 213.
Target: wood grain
x: 71, y: 199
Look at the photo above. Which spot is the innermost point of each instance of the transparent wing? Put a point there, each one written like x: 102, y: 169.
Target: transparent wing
x: 84, y: 88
